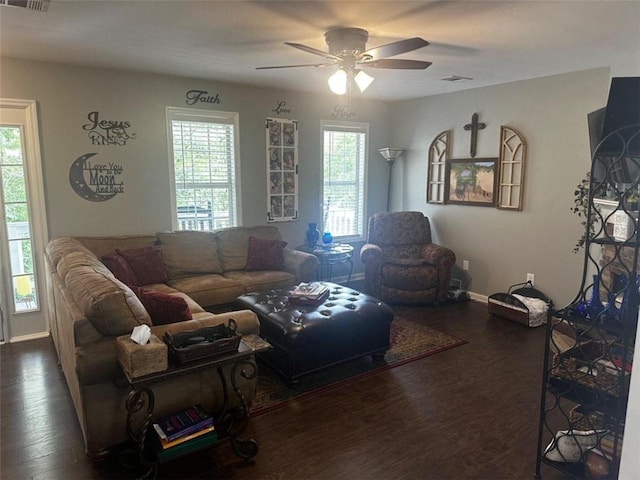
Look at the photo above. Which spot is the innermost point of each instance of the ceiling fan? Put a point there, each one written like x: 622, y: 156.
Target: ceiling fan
x: 347, y: 51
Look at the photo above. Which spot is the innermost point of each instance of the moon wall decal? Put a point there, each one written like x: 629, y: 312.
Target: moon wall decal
x: 80, y: 185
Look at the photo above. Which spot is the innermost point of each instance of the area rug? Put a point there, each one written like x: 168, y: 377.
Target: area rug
x: 410, y: 341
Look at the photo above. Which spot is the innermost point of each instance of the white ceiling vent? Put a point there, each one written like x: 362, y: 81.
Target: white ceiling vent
x: 37, y: 5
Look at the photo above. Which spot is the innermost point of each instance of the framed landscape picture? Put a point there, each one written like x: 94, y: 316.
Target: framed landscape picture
x: 471, y: 181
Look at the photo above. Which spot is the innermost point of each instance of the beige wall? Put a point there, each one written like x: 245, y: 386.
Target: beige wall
x: 503, y: 246
x: 66, y: 95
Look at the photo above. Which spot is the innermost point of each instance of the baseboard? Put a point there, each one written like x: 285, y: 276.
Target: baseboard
x: 31, y: 336
x: 342, y: 280
x: 478, y: 298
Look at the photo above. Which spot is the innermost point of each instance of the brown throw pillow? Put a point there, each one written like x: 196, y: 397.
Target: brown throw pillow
x: 120, y: 268
x: 162, y: 307
x: 265, y: 254
x: 146, y: 263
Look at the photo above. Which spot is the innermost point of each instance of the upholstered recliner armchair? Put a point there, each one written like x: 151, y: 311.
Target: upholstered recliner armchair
x: 402, y: 265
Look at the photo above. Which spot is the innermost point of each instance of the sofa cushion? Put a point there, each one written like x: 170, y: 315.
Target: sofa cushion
x: 111, y: 307
x: 209, y: 289
x: 233, y: 244
x: 262, y: 280
x: 120, y: 268
x: 264, y: 254
x: 163, y: 308
x: 146, y: 263
x: 186, y: 252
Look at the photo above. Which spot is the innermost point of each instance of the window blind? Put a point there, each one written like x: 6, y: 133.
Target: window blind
x: 204, y: 165
x: 343, y: 186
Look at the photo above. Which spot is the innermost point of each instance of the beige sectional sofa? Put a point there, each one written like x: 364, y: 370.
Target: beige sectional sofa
x: 92, y: 308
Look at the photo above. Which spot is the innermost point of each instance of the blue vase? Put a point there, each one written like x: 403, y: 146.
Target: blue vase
x: 327, y: 238
x: 630, y: 301
x: 313, y: 235
x: 595, y: 304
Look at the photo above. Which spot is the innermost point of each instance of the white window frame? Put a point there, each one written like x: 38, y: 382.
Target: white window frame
x: 207, y: 116
x: 32, y: 323
x: 354, y: 127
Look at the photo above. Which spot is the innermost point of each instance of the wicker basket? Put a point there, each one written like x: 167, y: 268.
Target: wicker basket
x: 580, y: 365
x: 203, y: 343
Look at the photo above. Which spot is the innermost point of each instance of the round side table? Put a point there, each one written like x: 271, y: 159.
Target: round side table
x: 330, y: 255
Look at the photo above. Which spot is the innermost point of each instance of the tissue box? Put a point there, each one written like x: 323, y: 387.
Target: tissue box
x: 140, y: 360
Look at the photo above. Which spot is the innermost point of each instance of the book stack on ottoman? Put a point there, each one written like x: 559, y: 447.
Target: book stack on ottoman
x: 306, y: 336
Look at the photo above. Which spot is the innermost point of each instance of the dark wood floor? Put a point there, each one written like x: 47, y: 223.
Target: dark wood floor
x: 467, y: 413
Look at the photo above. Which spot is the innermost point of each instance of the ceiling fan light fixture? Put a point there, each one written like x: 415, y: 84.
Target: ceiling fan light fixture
x: 363, y: 80
x: 338, y: 82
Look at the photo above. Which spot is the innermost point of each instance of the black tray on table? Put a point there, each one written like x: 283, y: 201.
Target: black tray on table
x: 203, y: 343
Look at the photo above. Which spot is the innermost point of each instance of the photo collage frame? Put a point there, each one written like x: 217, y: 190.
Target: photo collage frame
x: 282, y: 169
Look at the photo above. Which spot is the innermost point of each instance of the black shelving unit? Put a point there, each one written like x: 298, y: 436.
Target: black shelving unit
x: 590, y: 342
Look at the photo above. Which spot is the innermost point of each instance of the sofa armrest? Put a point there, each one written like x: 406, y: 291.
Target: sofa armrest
x: 246, y: 320
x: 300, y: 264
x: 443, y: 258
x: 97, y: 361
x: 371, y: 254
x: 438, y: 255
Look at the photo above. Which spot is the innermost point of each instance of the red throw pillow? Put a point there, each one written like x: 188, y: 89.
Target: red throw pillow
x: 120, y: 268
x: 265, y: 254
x: 162, y: 307
x: 146, y: 263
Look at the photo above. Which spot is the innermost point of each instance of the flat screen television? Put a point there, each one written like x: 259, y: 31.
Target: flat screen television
x: 615, y: 144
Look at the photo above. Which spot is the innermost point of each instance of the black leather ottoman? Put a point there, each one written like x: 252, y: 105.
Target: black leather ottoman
x: 306, y: 338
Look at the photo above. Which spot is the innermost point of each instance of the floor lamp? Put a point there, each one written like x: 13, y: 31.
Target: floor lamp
x: 390, y: 154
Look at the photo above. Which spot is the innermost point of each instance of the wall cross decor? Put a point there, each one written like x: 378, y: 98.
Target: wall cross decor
x: 474, y: 126
x: 466, y: 182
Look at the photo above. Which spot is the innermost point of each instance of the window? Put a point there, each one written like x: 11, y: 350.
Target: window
x: 204, y: 162
x: 344, y: 158
x: 23, y: 231
x: 16, y: 218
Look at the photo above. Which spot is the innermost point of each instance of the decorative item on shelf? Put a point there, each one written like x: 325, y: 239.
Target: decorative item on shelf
x: 629, y: 306
x: 327, y: 238
x: 390, y: 154
x: 580, y: 309
x: 611, y: 311
x: 313, y: 235
x: 580, y: 208
x: 595, y: 304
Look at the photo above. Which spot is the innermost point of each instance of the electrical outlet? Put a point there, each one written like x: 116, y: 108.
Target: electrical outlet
x: 531, y: 278
x: 465, y: 265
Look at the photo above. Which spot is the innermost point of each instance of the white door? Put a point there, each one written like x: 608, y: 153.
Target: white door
x: 23, y: 229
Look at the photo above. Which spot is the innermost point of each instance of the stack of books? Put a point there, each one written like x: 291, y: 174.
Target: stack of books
x: 309, y: 293
x: 184, y: 431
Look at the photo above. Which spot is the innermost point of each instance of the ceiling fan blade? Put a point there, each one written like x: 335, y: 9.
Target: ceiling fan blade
x: 399, y: 64
x: 315, y: 51
x: 395, y: 48
x: 295, y: 66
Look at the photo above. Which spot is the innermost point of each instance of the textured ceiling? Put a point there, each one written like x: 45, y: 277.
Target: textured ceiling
x: 491, y: 41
